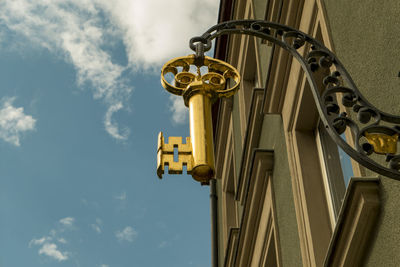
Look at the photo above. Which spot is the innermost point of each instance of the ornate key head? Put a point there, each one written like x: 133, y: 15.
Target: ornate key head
x: 220, y: 80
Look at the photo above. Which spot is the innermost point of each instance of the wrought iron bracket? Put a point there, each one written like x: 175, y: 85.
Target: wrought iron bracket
x: 375, y: 132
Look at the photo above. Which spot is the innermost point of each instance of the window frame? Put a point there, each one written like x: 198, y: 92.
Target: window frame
x: 300, y: 117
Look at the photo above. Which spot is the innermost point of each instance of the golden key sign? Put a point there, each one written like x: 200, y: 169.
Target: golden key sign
x: 199, y: 91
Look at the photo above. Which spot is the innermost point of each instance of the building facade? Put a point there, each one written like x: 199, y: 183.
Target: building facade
x: 285, y: 197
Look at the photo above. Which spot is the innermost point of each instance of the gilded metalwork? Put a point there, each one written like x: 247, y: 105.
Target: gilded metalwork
x: 214, y: 83
x: 355, y: 113
x: 383, y: 143
x: 200, y: 82
x: 165, y: 155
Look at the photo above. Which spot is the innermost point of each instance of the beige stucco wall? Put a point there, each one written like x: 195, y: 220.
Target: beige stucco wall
x: 366, y: 38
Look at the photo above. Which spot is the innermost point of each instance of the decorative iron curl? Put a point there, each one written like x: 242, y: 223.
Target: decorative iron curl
x: 364, y: 118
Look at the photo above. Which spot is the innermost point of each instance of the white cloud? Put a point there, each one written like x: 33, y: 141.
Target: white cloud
x: 127, y: 234
x: 121, y: 196
x: 14, y: 122
x: 67, y: 221
x: 50, y: 249
x: 62, y: 240
x: 112, y: 127
x: 39, y: 241
x: 83, y: 32
x: 97, y: 226
x: 104, y: 265
x: 153, y: 32
x: 48, y: 244
x: 178, y: 108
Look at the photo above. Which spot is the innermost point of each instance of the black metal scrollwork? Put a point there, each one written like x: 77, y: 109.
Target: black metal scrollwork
x: 375, y: 132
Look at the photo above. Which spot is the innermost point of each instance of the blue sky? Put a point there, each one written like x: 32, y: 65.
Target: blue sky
x: 80, y: 108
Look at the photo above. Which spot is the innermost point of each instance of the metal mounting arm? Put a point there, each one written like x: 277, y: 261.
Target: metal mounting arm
x: 375, y: 132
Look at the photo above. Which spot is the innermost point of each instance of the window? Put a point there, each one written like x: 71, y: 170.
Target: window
x: 314, y: 159
x: 336, y: 170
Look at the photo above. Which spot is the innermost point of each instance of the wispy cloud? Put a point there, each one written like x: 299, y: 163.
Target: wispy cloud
x: 76, y: 31
x: 97, y: 226
x: 121, y: 196
x: 49, y: 248
x: 14, y: 122
x: 62, y: 240
x: 49, y: 244
x: 39, y: 241
x: 83, y: 32
x: 111, y: 126
x: 90, y: 203
x: 121, y: 201
x: 67, y: 221
x: 178, y: 109
x: 127, y: 234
